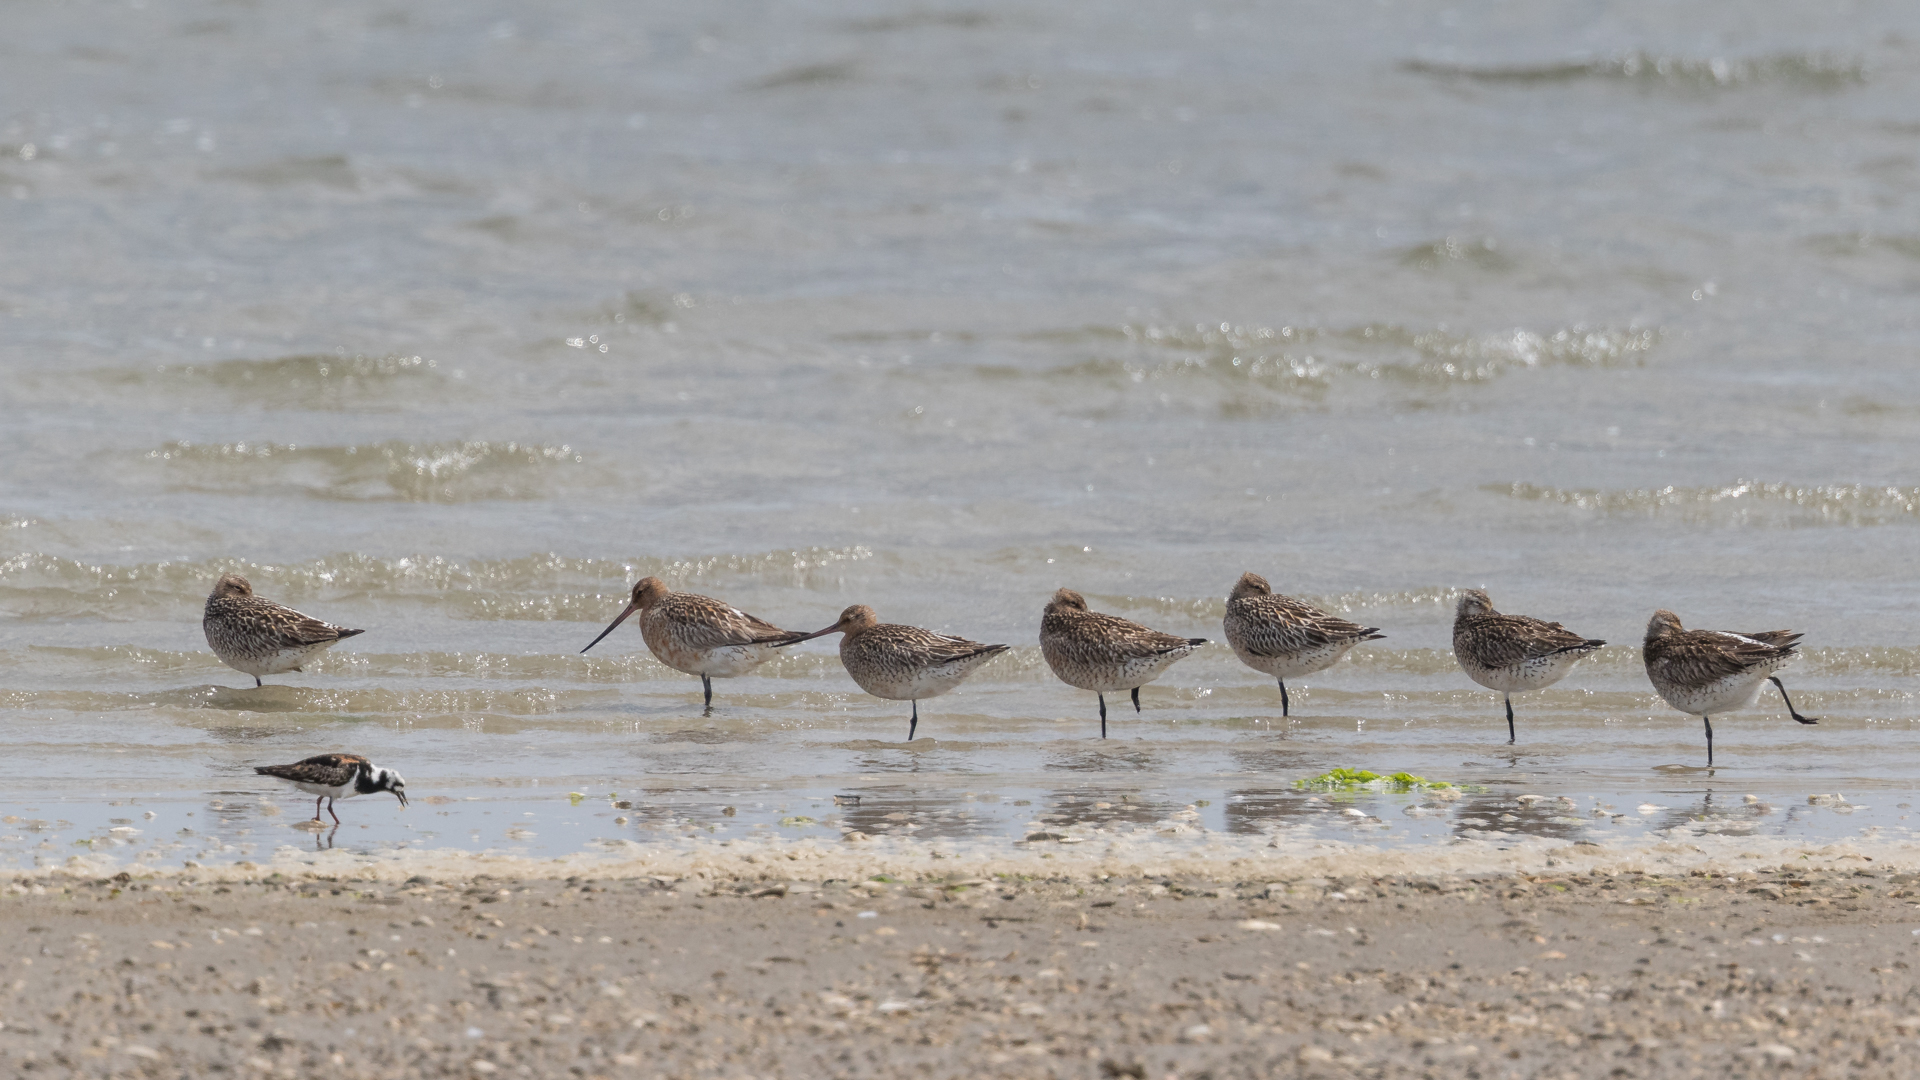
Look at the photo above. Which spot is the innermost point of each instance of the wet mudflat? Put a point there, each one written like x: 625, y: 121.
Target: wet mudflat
x: 1594, y: 973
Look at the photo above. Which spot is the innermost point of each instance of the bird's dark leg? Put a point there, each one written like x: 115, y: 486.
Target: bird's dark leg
x: 1136, y: 699
x: 1510, y: 734
x: 1102, y: 698
x: 1775, y: 680
x: 1283, y: 697
x: 707, y: 685
x: 915, y: 722
x: 330, y: 810
x: 257, y: 684
x: 1709, y: 722
x: 316, y: 807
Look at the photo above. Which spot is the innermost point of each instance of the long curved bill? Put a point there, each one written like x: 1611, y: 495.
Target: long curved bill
x: 402, y: 796
x: 631, y: 608
x: 809, y: 637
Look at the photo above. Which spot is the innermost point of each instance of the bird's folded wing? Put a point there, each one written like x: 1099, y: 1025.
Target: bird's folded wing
x: 329, y: 770
x: 298, y: 629
x: 1696, y: 659
x: 1505, y: 640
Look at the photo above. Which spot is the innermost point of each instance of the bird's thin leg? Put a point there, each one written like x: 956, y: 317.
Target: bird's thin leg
x: 706, y: 684
x: 1707, y: 720
x: 257, y: 684
x: 1136, y: 699
x: 915, y: 722
x: 1102, y: 698
x: 1283, y: 697
x: 330, y: 810
x: 1775, y: 680
x: 316, y: 807
x: 1510, y: 735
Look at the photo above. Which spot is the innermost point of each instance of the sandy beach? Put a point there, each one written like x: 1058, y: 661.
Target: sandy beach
x: 1588, y: 973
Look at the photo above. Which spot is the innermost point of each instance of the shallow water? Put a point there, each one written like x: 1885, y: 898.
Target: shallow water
x: 450, y: 321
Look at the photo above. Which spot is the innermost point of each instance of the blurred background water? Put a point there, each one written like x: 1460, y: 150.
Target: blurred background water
x: 451, y: 320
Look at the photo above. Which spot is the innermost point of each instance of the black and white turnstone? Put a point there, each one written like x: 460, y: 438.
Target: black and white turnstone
x: 337, y: 776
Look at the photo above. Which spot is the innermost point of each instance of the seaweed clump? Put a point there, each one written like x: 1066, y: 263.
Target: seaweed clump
x: 1358, y: 779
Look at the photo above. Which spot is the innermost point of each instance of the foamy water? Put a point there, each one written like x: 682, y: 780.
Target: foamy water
x: 450, y: 323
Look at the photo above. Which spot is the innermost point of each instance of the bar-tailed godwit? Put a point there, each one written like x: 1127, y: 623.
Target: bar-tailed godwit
x: 260, y: 637
x: 903, y: 663
x: 1511, y: 653
x: 1105, y: 653
x: 1703, y: 672
x: 1284, y: 637
x: 337, y: 776
x: 700, y: 635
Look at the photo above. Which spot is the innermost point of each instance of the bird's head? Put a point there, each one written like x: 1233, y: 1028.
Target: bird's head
x: 1066, y: 600
x: 1250, y: 584
x: 856, y: 618
x: 1473, y: 602
x: 1663, y: 624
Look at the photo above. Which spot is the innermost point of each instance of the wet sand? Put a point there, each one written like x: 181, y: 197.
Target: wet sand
x: 1598, y: 972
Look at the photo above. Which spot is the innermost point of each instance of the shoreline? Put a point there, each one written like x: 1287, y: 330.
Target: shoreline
x: 1570, y: 971
x: 1277, y: 858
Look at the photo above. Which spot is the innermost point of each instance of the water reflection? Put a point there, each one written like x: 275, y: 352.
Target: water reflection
x: 1253, y: 811
x: 1528, y: 815
x: 708, y: 736
x: 1105, y: 760
x: 1097, y: 809
x: 1727, y: 817
x: 1297, y: 762
x: 903, y: 812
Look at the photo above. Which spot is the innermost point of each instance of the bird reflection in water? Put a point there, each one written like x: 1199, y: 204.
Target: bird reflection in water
x: 1736, y: 818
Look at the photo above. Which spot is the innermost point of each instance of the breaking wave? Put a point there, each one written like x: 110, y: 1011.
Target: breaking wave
x: 1741, y: 502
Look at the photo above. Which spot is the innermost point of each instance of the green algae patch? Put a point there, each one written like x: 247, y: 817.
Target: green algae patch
x: 1362, y: 780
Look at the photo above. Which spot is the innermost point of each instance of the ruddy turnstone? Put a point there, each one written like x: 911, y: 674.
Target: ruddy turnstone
x: 260, y: 637
x: 700, y: 635
x: 1703, y: 672
x: 1284, y: 637
x: 337, y: 776
x: 1105, y: 653
x: 903, y: 663
x: 1511, y: 653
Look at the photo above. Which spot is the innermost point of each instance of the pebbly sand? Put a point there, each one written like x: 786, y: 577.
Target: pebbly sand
x: 1570, y: 961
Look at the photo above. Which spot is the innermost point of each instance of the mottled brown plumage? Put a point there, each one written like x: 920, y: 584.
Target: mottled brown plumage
x: 903, y: 663
x: 1512, y: 653
x: 1284, y: 637
x: 700, y: 635
x: 257, y: 636
x: 1708, y: 672
x: 1105, y: 653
